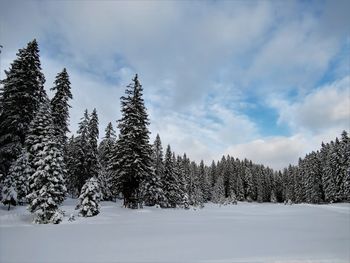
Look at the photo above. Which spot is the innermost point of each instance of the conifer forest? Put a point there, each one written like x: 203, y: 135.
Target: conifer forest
x: 41, y: 166
x: 174, y: 131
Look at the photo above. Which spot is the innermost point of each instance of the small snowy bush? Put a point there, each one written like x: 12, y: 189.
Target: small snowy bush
x: 90, y: 198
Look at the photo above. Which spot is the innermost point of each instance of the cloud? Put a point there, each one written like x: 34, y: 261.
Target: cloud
x: 199, y: 63
x: 323, y: 108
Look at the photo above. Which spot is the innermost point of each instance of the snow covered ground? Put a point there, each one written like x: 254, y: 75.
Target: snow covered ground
x: 247, y: 232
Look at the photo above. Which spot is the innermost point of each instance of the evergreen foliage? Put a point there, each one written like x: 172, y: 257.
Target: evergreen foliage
x: 60, y: 106
x: 90, y: 198
x: 20, y: 96
x: 46, y: 184
x: 131, y: 160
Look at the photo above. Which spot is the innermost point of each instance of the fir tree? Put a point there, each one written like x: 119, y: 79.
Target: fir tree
x: 249, y: 182
x: 157, y: 155
x: 170, y: 183
x: 131, y: 160
x: 19, y: 172
x: 60, y: 106
x: 20, y: 95
x: 9, y: 192
x: 46, y: 184
x: 82, y: 144
x: 89, y: 198
x: 91, y: 154
x: 218, y: 194
x: 152, y: 185
x: 106, y: 146
x: 104, y: 154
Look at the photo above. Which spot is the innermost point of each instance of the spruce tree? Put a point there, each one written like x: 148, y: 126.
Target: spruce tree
x: 9, y: 192
x: 92, y: 155
x: 170, y: 183
x: 20, y: 95
x: 345, y: 166
x: 152, y: 185
x: 20, y: 172
x: 60, y: 106
x: 131, y: 160
x: 218, y: 194
x: 106, y: 146
x: 46, y: 184
x: 105, y: 149
x: 90, y: 198
x: 82, y: 144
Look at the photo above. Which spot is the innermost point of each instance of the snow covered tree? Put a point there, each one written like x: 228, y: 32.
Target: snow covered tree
x: 20, y: 172
x: 330, y: 175
x: 152, y: 185
x: 80, y: 169
x: 92, y: 155
x: 106, y: 146
x: 170, y: 183
x: 60, y: 106
x: 90, y: 198
x: 249, y: 183
x: 46, y: 184
x: 345, y: 165
x: 73, y: 165
x: 157, y: 155
x: 105, y: 149
x: 313, y: 180
x: 9, y: 192
x: 131, y: 160
x: 20, y: 95
x: 218, y: 194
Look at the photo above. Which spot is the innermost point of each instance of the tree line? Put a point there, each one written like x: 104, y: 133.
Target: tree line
x: 40, y: 165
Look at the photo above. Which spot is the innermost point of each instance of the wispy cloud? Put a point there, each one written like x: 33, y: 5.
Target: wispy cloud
x: 200, y: 63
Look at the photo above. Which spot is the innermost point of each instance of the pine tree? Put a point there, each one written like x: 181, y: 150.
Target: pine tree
x: 152, y: 185
x: 106, y: 146
x: 9, y: 192
x: 313, y: 180
x: 105, y: 149
x: 73, y: 165
x: 82, y: 144
x: 157, y: 155
x: 170, y: 183
x: 91, y: 154
x: 131, y: 160
x: 345, y: 166
x: 90, y: 198
x: 218, y: 194
x: 249, y: 183
x: 19, y: 172
x: 60, y: 106
x: 20, y: 95
x: 46, y: 184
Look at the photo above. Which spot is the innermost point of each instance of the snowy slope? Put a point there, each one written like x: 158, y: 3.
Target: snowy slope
x: 247, y: 232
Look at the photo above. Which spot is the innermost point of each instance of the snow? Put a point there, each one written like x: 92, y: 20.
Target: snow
x: 247, y: 232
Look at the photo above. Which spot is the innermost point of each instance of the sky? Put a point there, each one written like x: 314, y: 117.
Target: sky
x: 263, y: 80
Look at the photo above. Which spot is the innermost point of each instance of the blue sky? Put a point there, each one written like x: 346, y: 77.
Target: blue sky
x: 266, y: 80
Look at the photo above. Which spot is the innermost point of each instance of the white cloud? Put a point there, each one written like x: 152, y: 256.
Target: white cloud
x: 196, y: 61
x: 327, y: 107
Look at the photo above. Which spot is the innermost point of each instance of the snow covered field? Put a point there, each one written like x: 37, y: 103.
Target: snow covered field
x: 247, y: 232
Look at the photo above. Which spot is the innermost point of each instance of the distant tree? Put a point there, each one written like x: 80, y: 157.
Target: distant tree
x: 92, y: 154
x: 170, y: 182
x: 106, y: 146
